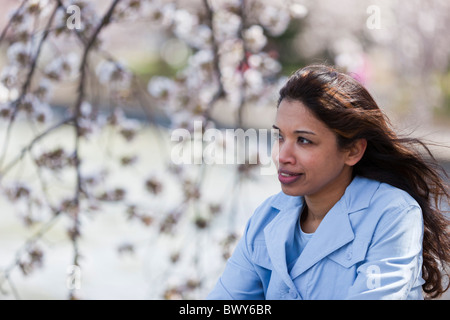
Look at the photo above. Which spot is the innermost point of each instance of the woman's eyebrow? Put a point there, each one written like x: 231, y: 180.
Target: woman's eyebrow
x: 296, y: 131
x: 304, y: 132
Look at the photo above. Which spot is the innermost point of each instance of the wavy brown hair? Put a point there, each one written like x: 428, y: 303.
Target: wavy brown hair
x: 348, y: 109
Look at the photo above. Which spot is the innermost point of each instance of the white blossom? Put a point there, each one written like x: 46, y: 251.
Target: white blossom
x: 267, y: 65
x: 36, y: 6
x: 185, y: 119
x: 113, y: 73
x: 226, y: 24
x: 254, y: 80
x: 42, y: 112
x: 275, y: 20
x: 184, y: 23
x: 161, y: 15
x: 62, y: 68
x: 21, y: 21
x: 117, y: 117
x: 5, y: 111
x: 129, y: 128
x: 43, y: 90
x: 31, y: 105
x: 160, y: 87
x: 202, y: 59
x: 200, y: 37
x: 298, y: 10
x: 85, y: 109
x: 19, y: 54
x: 10, y: 76
x: 255, y: 38
x: 129, y: 9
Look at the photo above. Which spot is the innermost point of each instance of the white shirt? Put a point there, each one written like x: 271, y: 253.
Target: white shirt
x: 301, y: 239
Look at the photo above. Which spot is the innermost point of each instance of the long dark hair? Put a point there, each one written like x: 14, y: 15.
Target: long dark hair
x: 348, y: 109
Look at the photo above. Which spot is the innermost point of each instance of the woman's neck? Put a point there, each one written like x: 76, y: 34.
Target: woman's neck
x: 318, y: 204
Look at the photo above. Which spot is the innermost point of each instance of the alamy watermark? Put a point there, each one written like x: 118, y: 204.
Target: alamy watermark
x: 373, y: 273
x: 230, y: 146
x: 374, y: 19
x: 74, y: 20
x: 73, y: 280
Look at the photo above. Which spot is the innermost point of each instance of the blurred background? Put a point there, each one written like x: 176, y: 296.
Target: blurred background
x: 92, y: 205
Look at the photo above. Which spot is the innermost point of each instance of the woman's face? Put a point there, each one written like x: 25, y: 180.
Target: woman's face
x: 306, y: 153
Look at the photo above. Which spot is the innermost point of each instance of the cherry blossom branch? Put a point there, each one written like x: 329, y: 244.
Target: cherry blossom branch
x: 81, y: 94
x: 15, y: 104
x: 10, y: 21
x: 240, y: 109
x: 27, y: 245
x: 81, y: 88
x: 220, y: 93
x: 30, y: 145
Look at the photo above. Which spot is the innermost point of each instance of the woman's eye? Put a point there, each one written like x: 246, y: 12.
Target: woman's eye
x: 303, y: 141
x: 278, y: 137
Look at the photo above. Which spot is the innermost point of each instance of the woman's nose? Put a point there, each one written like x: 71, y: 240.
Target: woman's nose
x: 286, y: 153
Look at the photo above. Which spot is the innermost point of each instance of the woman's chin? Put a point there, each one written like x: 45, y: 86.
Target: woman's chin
x: 288, y: 190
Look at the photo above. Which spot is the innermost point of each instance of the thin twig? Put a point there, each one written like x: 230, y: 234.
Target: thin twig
x: 81, y: 94
x: 30, y: 145
x: 220, y: 92
x: 13, y: 17
x: 15, y: 104
x: 242, y: 26
x: 81, y: 89
x: 29, y: 242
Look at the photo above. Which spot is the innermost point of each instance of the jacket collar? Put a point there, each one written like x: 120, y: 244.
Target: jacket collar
x: 354, y: 197
x: 334, y: 231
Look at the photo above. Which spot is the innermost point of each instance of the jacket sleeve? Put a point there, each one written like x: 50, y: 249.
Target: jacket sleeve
x: 393, y: 265
x: 239, y: 280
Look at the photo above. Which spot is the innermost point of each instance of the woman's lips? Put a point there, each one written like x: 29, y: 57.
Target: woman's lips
x: 288, y: 177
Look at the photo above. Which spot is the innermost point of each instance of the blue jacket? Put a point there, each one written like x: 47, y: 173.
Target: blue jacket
x: 368, y: 246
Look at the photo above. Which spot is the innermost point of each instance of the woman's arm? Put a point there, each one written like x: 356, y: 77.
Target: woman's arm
x: 392, y: 268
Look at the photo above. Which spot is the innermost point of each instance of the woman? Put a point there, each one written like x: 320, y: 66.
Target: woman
x: 358, y: 214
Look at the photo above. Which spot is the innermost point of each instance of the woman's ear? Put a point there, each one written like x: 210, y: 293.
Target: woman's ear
x: 355, y: 152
